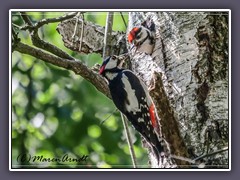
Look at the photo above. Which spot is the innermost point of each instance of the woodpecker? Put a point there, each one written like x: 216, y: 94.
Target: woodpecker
x: 131, y: 97
x: 143, y: 37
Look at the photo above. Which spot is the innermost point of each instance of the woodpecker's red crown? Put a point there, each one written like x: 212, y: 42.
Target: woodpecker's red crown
x: 132, y: 34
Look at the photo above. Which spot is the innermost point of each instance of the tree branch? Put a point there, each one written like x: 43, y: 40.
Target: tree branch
x: 93, y: 38
x: 76, y: 66
x: 108, y: 35
x: 15, y: 39
x: 195, y: 161
x: 46, y: 21
x: 123, y: 20
x: 211, y: 154
x: 129, y: 140
x: 26, y: 19
x: 41, y: 43
x: 49, y: 47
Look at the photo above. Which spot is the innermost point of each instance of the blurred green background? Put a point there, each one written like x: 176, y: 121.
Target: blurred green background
x: 55, y: 112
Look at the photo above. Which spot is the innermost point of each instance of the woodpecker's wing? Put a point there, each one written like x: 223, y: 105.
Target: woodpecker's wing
x: 141, y: 111
x: 137, y: 98
x: 128, y: 92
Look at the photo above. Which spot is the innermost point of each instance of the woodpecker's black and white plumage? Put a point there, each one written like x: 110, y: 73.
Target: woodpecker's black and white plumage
x: 143, y: 37
x: 131, y: 97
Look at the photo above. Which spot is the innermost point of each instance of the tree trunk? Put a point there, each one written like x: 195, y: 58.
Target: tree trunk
x: 189, y: 70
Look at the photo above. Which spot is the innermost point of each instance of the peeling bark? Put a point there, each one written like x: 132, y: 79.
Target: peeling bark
x: 93, y: 37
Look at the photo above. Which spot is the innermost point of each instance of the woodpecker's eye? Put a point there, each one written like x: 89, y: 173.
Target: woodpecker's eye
x: 138, y: 37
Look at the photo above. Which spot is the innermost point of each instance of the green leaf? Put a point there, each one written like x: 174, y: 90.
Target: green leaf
x: 94, y: 131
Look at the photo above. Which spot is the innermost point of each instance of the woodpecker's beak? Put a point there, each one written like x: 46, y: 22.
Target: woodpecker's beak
x: 102, y: 68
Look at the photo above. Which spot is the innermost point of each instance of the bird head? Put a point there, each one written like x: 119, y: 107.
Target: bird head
x: 133, y: 34
x: 137, y: 35
x: 112, y: 63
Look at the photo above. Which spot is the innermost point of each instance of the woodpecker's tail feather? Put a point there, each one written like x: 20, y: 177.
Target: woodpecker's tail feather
x: 156, y: 153
x: 156, y: 146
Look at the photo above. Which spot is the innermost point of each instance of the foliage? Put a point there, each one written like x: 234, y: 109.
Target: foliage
x: 55, y: 112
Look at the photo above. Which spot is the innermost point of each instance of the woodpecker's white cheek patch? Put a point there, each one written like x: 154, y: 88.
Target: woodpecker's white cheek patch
x: 146, y: 47
x: 111, y: 64
x: 131, y: 96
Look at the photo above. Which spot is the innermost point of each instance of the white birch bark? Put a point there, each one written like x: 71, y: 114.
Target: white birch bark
x: 191, y: 59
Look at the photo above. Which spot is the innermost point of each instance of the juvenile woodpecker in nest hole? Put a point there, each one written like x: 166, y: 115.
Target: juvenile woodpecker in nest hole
x: 143, y: 37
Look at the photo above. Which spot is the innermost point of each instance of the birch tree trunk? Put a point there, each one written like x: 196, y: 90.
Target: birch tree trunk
x: 189, y: 67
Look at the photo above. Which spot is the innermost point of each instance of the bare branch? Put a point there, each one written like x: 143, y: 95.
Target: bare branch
x: 78, y: 19
x: 196, y: 160
x: 93, y: 38
x: 49, y: 47
x: 108, y: 35
x: 49, y: 20
x: 41, y: 43
x: 123, y: 20
x: 74, y: 65
x: 211, y: 154
x: 26, y: 19
x: 15, y: 39
x: 129, y: 140
x: 14, y: 35
x: 183, y: 159
x: 103, y: 121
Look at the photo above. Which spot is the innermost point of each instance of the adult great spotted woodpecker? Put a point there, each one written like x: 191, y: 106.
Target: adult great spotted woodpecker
x: 131, y: 97
x: 143, y: 37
